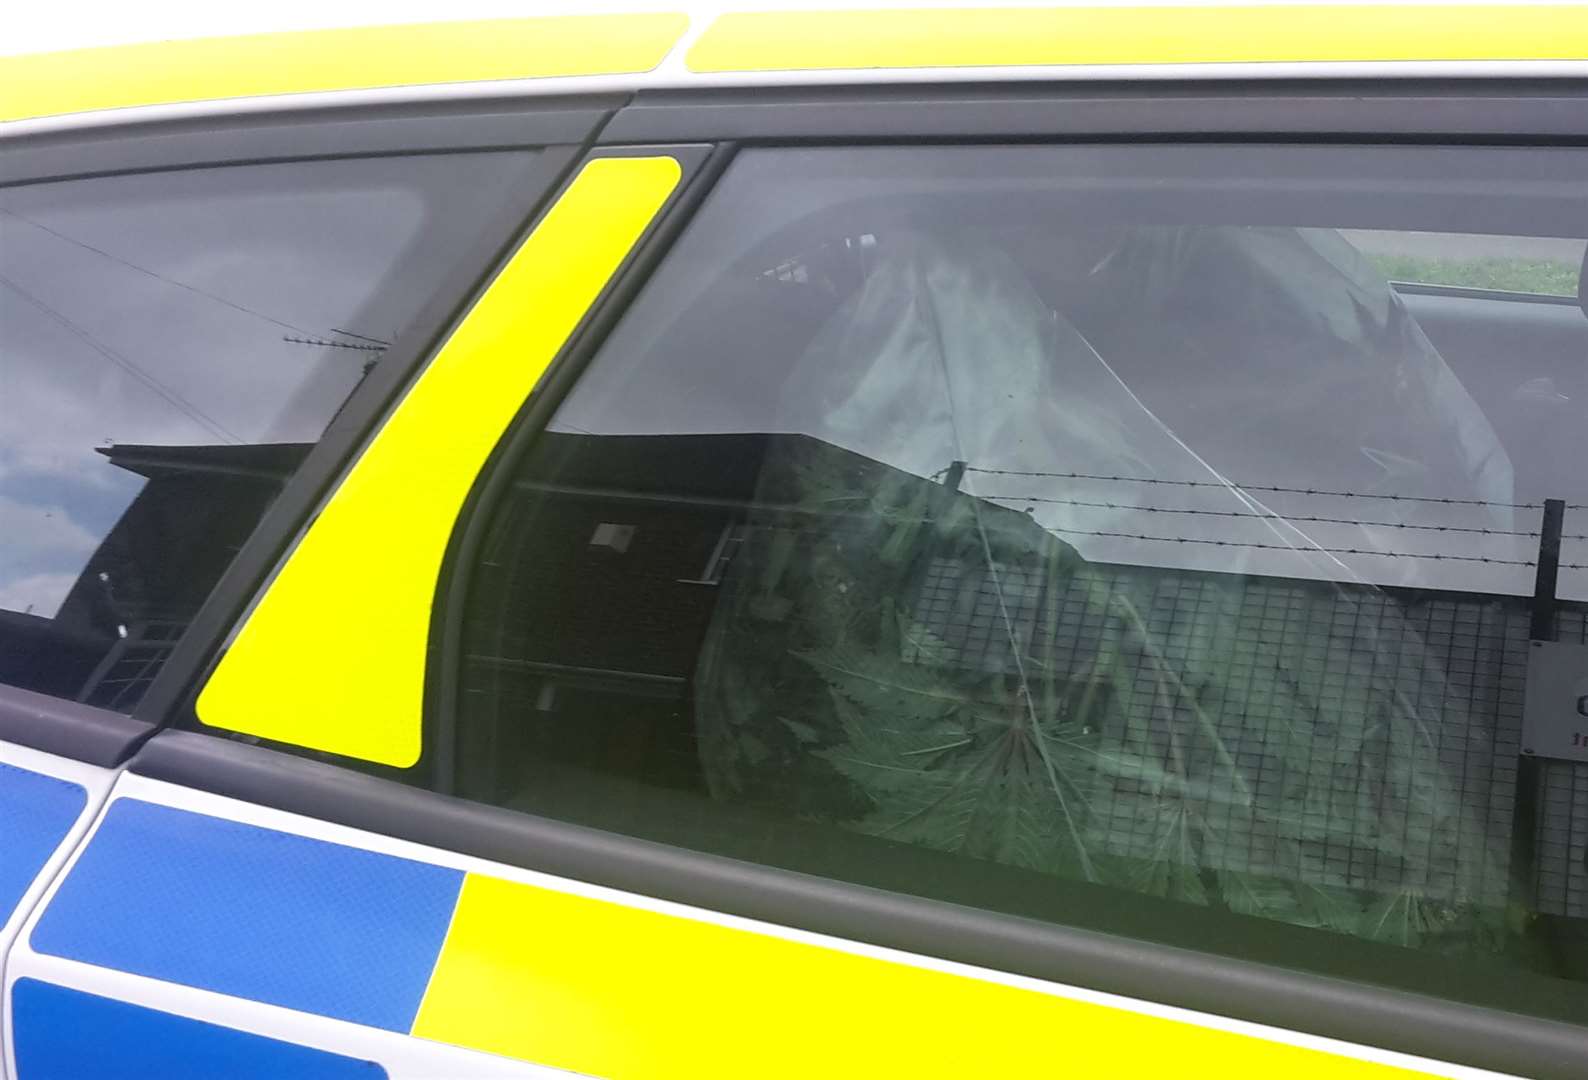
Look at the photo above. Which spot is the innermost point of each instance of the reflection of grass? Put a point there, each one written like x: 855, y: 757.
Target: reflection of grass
x: 1514, y: 275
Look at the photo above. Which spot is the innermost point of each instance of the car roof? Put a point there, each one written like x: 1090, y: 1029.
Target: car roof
x: 563, y: 54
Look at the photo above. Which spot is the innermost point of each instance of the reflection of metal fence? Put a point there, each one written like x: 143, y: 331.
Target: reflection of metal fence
x: 1172, y: 525
x: 1304, y: 684
x: 131, y: 664
x: 1307, y: 518
x: 1458, y: 661
x: 1224, y: 486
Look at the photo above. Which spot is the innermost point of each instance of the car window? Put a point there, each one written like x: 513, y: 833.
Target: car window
x: 171, y: 346
x: 1089, y: 533
x: 1539, y: 265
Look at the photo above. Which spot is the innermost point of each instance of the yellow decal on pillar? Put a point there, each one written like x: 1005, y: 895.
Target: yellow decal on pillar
x: 333, y: 655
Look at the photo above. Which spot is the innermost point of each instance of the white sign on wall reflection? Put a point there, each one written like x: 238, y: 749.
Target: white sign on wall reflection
x: 1555, y: 713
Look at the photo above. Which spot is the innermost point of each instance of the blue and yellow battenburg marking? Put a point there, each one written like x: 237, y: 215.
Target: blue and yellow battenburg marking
x: 36, y: 813
x: 589, y: 985
x: 262, y: 915
x: 68, y: 1033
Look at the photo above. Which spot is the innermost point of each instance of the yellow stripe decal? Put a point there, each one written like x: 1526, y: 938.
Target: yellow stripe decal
x: 333, y: 655
x: 608, y: 990
x: 49, y: 84
x: 998, y: 37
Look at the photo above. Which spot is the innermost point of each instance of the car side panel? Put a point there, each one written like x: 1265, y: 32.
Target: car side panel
x: 46, y: 806
x: 423, y: 960
x: 183, y: 940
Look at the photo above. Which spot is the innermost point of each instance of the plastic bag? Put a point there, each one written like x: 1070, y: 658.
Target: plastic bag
x: 911, y: 643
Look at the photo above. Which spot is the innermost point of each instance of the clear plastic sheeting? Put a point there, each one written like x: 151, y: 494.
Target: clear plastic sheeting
x: 897, y: 651
x: 1246, y: 339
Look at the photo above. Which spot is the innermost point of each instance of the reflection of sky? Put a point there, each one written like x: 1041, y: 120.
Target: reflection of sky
x: 151, y: 309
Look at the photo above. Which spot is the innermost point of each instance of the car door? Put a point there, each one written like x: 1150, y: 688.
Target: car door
x: 709, y: 667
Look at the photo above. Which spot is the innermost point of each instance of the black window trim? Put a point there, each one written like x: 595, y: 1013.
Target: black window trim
x: 302, y: 133
x: 1404, y: 109
x: 1469, y: 292
x: 69, y: 729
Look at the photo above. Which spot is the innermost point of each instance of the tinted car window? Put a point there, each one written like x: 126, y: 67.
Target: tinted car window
x: 1537, y: 265
x: 171, y: 345
x: 1093, y: 534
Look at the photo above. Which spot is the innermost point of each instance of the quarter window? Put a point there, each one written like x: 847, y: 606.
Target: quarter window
x: 171, y: 346
x: 1095, y: 534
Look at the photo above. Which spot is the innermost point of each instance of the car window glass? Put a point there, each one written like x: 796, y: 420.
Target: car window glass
x: 1091, y: 533
x: 1540, y: 265
x: 171, y: 345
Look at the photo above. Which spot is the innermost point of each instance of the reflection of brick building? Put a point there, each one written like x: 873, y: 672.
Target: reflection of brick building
x: 635, y: 599
x: 607, y: 583
x: 149, y: 576
x: 613, y: 566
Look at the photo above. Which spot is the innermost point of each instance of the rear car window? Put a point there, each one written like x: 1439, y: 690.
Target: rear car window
x: 1092, y: 534
x: 171, y: 346
x: 1525, y: 265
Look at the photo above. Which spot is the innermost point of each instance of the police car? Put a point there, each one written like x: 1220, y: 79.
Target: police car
x: 900, y: 542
